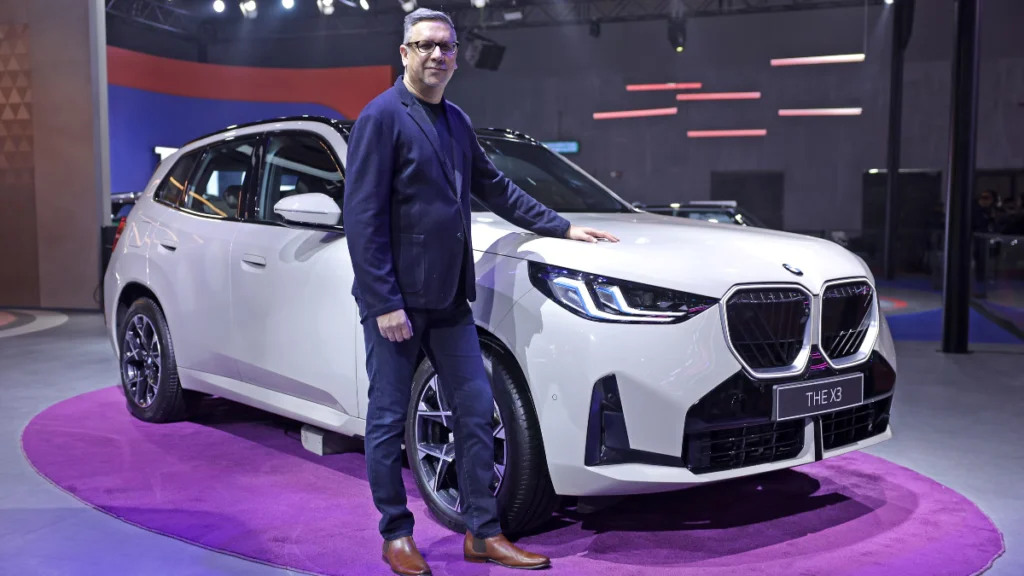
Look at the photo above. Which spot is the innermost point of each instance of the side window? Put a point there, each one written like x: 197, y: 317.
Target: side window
x: 298, y: 163
x: 217, y: 189
x: 172, y: 188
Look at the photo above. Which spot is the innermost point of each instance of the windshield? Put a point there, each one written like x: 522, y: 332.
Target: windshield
x: 547, y: 178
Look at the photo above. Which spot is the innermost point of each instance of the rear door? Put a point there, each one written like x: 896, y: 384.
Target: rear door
x: 294, y: 318
x: 191, y: 252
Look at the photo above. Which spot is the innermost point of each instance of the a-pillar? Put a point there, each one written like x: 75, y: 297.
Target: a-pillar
x: 54, y: 175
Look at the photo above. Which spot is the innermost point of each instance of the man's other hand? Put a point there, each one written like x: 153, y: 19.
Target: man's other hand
x: 584, y: 234
x: 395, y: 326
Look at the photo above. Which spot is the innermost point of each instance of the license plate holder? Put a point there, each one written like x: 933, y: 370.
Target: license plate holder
x: 803, y: 399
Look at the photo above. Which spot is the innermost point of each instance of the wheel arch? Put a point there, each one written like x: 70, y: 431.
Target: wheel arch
x: 131, y: 292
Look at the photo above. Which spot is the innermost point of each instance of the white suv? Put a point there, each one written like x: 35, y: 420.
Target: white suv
x: 686, y: 353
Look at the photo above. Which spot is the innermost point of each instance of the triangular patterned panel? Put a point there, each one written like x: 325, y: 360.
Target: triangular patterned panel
x: 15, y: 97
x: 3, y: 97
x: 22, y: 81
x: 3, y: 130
x: 9, y: 146
x: 4, y: 164
x: 5, y: 81
x: 5, y: 48
x: 16, y: 129
x: 28, y: 97
x: 2, y: 67
x: 12, y: 64
x: 25, y: 146
x: 7, y: 114
x: 23, y: 114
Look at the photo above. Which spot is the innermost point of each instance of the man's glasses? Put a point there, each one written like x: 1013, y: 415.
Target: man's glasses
x: 427, y: 47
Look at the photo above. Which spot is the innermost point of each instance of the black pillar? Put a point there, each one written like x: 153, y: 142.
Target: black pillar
x: 892, y: 165
x: 960, y: 180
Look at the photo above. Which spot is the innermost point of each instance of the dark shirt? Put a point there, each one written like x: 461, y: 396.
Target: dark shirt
x: 439, y: 118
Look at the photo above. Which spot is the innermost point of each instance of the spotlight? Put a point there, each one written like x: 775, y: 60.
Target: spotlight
x: 288, y: 4
x: 478, y: 3
x: 677, y: 34
x: 218, y: 6
x: 408, y: 5
x: 326, y: 7
x: 888, y: 1
x: 248, y: 8
x: 364, y: 4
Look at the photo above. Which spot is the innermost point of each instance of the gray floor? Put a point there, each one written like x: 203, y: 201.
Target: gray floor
x: 957, y: 419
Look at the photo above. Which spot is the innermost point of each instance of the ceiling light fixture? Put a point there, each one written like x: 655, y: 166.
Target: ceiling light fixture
x: 821, y: 112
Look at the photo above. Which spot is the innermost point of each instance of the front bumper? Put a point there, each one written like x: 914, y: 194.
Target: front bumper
x: 629, y: 409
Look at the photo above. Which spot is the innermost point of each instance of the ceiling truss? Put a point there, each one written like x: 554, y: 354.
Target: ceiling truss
x: 497, y: 14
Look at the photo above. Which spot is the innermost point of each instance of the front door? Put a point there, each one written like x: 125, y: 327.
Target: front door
x: 295, y: 320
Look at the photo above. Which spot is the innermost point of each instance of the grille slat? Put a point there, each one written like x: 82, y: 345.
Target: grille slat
x: 767, y: 327
x: 845, y: 427
x: 743, y: 446
x: 845, y: 318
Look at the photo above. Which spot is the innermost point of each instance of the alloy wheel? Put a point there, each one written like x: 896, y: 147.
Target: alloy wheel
x: 140, y: 361
x: 435, y: 446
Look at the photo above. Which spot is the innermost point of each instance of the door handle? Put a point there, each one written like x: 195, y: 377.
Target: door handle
x: 169, y: 245
x: 255, y: 260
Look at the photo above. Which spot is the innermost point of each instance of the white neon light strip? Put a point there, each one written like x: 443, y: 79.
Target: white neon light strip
x: 807, y: 60
x: 821, y: 112
x: 665, y: 86
x: 636, y: 113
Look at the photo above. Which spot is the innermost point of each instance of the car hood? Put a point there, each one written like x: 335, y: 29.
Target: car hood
x: 691, y: 255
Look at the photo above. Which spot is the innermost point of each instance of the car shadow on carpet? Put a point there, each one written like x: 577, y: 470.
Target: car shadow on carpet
x: 758, y: 511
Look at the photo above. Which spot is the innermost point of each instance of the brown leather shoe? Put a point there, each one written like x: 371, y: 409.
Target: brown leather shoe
x: 404, y: 558
x: 500, y: 551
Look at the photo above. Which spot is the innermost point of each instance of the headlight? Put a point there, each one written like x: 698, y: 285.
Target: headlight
x: 606, y: 299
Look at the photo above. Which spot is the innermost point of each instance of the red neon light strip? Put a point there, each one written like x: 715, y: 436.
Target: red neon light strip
x: 666, y: 86
x: 719, y: 96
x: 821, y: 112
x: 636, y: 113
x: 834, y: 59
x: 724, y: 133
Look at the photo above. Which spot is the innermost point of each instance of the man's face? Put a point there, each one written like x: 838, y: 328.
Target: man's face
x: 435, y: 67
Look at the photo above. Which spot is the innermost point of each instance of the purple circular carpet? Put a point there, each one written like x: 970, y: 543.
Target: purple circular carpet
x: 238, y: 481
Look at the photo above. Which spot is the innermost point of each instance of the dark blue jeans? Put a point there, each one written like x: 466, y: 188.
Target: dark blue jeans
x: 449, y: 339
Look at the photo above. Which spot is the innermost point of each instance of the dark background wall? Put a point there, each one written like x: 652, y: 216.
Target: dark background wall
x: 552, y: 80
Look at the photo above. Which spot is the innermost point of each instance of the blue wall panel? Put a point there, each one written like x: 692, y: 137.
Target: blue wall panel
x: 141, y: 120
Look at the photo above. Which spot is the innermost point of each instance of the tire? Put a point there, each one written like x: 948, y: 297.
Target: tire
x: 147, y: 360
x: 526, y: 497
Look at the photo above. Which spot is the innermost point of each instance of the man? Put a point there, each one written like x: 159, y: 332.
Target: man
x: 413, y: 162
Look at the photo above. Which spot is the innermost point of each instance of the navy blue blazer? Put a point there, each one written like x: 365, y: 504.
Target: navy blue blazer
x: 407, y: 212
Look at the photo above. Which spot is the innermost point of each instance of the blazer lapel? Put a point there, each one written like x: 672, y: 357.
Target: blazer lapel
x: 420, y: 116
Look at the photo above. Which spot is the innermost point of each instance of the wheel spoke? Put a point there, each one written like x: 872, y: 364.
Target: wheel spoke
x: 442, y: 472
x: 141, y: 390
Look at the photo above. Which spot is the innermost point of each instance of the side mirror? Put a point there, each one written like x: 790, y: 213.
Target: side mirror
x: 314, y: 208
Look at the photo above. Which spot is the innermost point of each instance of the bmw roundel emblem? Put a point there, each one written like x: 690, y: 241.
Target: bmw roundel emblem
x: 793, y: 269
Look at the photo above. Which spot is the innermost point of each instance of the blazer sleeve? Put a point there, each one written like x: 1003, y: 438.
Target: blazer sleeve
x: 498, y: 193
x: 367, y: 213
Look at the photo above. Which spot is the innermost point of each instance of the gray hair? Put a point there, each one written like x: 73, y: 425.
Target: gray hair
x: 425, y: 14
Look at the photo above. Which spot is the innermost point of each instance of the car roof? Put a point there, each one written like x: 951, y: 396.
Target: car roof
x: 345, y: 126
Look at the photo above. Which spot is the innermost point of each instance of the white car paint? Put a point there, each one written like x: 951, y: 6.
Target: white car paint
x: 263, y: 315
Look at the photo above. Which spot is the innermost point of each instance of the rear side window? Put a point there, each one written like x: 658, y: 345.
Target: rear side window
x: 217, y: 188
x: 176, y: 181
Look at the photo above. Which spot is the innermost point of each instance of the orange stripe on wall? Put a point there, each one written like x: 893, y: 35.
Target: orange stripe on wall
x: 346, y: 90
